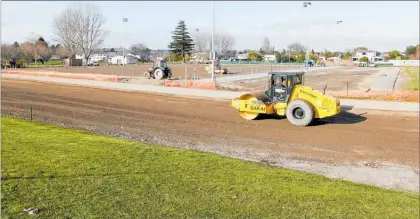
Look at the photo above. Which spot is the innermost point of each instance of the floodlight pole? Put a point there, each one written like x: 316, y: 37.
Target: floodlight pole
x: 339, y: 61
x: 125, y: 20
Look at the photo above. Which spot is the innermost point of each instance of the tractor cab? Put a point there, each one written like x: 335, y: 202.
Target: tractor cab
x: 281, y: 84
x: 159, y: 63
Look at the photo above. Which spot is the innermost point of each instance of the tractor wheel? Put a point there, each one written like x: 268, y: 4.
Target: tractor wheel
x: 300, y: 113
x: 147, y: 75
x: 158, y: 74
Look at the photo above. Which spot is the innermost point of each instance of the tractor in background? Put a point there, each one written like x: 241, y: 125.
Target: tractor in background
x: 218, y: 67
x: 159, y: 70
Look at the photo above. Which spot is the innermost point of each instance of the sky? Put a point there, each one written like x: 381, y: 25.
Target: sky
x: 378, y: 25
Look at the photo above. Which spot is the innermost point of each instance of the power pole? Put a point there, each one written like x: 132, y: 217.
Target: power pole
x: 306, y: 5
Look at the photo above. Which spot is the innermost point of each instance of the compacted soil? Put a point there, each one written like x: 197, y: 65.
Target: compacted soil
x: 353, y: 137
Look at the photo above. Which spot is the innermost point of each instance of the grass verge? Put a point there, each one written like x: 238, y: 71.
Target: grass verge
x: 413, y: 74
x: 73, y: 174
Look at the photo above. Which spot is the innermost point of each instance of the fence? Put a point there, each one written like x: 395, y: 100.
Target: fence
x: 226, y: 62
x: 184, y: 71
x: 405, y: 62
x: 87, y: 76
x: 122, y: 71
x: 386, y: 95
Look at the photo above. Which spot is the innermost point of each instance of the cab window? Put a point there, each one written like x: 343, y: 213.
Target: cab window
x: 279, y: 80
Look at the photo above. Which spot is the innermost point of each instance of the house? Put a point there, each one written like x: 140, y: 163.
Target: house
x: 78, y: 56
x: 370, y: 54
x: 199, y: 56
x: 55, y: 57
x: 334, y: 59
x: 98, y: 57
x: 269, y: 58
x: 123, y: 60
x: 159, y: 53
x: 321, y: 58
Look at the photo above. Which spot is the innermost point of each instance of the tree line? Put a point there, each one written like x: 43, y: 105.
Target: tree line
x: 34, y: 50
x: 80, y: 30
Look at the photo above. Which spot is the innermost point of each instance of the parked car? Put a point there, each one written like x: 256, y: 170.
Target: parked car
x: 93, y: 63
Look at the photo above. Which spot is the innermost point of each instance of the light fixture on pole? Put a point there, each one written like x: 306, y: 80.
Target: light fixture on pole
x: 125, y: 20
x: 306, y: 5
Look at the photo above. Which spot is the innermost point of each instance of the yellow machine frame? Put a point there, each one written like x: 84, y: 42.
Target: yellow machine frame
x: 252, y: 105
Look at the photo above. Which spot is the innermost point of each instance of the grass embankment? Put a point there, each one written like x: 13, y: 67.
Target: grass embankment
x: 413, y: 74
x: 409, y: 95
x: 68, y: 173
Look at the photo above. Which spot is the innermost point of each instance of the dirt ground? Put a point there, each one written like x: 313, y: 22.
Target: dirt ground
x: 334, y: 79
x: 178, y: 70
x: 368, y: 138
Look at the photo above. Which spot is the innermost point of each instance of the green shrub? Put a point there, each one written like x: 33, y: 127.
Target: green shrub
x: 20, y: 63
x: 364, y: 59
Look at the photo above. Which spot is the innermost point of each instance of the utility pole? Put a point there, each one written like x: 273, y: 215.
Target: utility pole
x: 195, y: 67
x: 213, y: 78
x: 125, y: 20
x: 306, y: 5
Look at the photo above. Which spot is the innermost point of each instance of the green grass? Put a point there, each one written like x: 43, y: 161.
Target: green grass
x: 73, y: 174
x: 50, y: 63
x: 413, y: 73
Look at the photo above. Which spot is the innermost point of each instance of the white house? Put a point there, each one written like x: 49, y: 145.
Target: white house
x: 269, y: 58
x: 371, y: 55
x: 121, y: 60
x: 80, y: 56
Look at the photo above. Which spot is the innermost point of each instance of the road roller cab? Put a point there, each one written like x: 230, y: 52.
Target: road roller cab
x: 286, y: 96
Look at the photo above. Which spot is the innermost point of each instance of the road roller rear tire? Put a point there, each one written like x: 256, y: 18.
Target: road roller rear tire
x: 300, y: 113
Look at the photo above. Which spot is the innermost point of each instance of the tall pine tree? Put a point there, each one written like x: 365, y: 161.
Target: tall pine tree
x: 181, y: 41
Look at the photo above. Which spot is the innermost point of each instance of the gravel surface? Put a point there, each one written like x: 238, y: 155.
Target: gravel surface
x: 386, y: 79
x: 361, y: 147
x: 250, y: 76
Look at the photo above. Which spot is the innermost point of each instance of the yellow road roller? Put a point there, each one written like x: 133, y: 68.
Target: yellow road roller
x: 286, y: 96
